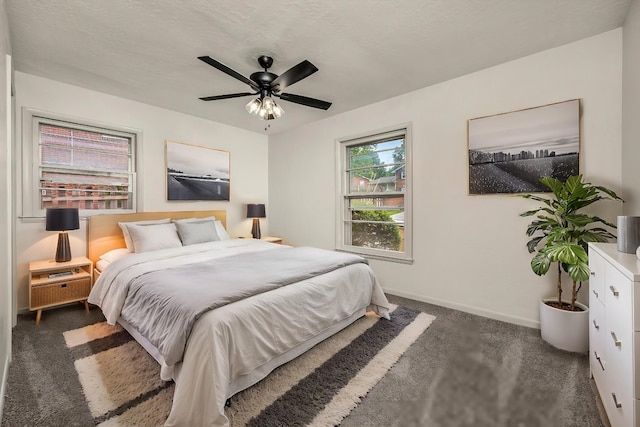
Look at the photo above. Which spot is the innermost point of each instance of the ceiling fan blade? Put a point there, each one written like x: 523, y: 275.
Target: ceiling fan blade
x: 220, y: 66
x: 305, y: 100
x: 293, y: 75
x: 231, y: 95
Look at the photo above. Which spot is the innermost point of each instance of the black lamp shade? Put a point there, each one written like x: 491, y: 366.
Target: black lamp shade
x: 256, y: 211
x: 62, y: 219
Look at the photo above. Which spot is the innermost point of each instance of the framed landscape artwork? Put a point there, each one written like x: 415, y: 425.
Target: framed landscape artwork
x: 510, y: 152
x: 196, y: 173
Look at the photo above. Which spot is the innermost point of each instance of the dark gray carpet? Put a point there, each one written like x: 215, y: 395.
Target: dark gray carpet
x: 472, y: 371
x: 43, y: 388
x: 466, y: 371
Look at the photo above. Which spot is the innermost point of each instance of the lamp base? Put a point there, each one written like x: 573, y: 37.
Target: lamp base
x: 255, y: 230
x: 63, y: 253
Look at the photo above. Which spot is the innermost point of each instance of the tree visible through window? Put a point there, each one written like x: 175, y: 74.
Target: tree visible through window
x: 374, y: 180
x: 82, y: 167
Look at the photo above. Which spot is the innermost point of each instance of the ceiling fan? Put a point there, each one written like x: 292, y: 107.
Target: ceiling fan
x: 266, y: 85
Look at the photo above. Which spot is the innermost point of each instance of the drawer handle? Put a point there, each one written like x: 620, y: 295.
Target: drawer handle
x: 616, y: 341
x: 593, y: 273
x: 598, y: 359
x: 595, y: 293
x: 614, y: 291
x: 615, y: 400
x: 595, y: 324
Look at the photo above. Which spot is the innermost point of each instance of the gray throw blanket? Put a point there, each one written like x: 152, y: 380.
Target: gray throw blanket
x: 165, y: 304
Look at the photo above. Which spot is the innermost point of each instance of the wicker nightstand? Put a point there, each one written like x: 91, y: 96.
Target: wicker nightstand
x: 55, y: 283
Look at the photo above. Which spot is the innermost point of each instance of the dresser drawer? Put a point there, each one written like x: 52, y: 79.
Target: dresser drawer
x: 597, y: 265
x: 619, y: 304
x: 617, y: 397
x: 598, y: 372
x: 619, y: 348
x: 614, y: 381
x: 597, y: 333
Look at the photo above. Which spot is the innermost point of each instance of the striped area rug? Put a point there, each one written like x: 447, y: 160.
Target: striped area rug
x: 122, y: 384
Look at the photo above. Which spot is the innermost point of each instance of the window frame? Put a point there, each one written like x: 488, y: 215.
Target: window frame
x: 31, y: 121
x: 344, y: 196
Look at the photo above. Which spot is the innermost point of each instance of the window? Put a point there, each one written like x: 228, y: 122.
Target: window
x: 375, y: 201
x: 83, y: 166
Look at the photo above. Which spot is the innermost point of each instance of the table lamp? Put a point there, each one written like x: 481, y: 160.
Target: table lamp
x: 256, y: 211
x: 63, y: 219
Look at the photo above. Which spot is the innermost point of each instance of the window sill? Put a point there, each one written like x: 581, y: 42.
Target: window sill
x: 378, y: 257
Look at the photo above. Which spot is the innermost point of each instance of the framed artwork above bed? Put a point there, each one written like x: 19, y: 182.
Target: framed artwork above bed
x: 196, y: 173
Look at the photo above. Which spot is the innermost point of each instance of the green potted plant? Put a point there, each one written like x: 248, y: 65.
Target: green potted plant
x: 559, y: 236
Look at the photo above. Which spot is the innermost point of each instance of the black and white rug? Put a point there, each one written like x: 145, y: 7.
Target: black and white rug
x: 122, y: 384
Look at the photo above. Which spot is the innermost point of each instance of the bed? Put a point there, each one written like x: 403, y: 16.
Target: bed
x: 230, y: 346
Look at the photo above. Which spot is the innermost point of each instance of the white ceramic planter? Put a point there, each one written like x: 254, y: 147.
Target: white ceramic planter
x: 566, y: 330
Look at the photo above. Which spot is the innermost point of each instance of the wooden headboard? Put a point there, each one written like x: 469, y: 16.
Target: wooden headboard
x: 105, y: 233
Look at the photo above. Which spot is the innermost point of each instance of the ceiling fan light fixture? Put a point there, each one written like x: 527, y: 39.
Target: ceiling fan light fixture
x: 265, y: 107
x: 278, y: 111
x: 267, y: 104
x: 254, y: 106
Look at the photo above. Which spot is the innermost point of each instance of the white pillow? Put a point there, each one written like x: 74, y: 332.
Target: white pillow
x: 221, y: 232
x: 192, y: 232
x: 125, y: 230
x: 153, y: 237
x: 115, y: 254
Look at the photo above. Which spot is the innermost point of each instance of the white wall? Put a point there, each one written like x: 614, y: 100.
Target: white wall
x: 6, y: 267
x: 248, y: 153
x: 469, y: 251
x: 631, y: 110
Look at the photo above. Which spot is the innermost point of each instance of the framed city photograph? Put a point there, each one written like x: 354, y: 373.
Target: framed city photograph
x: 510, y: 152
x: 196, y: 173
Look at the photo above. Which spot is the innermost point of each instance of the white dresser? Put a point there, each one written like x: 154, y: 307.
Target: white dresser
x: 614, y: 331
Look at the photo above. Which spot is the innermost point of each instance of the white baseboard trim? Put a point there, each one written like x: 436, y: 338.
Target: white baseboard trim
x: 444, y: 303
x: 467, y: 308
x: 3, y: 380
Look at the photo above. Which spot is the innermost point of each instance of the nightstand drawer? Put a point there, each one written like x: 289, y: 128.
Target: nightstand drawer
x: 61, y: 292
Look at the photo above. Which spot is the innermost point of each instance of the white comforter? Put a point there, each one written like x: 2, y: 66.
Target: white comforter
x: 234, y: 346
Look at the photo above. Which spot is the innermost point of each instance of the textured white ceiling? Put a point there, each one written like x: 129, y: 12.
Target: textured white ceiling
x: 366, y: 50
